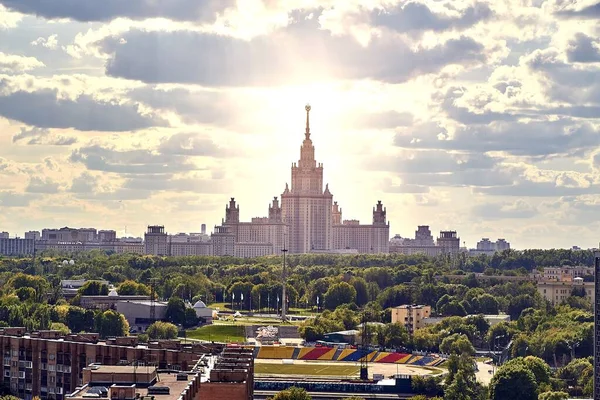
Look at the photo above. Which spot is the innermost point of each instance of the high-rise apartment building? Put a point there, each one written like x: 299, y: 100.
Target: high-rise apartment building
x: 156, y: 241
x: 35, y: 235
x: 410, y: 316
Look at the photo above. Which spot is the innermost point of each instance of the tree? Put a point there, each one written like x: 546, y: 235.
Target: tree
x: 485, y: 304
x: 93, y: 288
x: 293, y: 393
x: 338, y: 294
x: 111, y: 323
x: 457, y: 344
x: 62, y: 328
x: 190, y: 318
x: 162, y: 330
x: 508, y: 378
x: 395, y: 335
x: 175, y: 312
x: 130, y: 288
x: 553, y: 396
x: 362, y: 293
x: 453, y: 308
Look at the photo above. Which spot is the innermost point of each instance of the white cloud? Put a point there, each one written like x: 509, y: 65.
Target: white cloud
x: 10, y: 63
x: 51, y: 42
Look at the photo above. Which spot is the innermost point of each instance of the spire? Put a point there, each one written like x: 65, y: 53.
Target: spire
x: 307, y: 108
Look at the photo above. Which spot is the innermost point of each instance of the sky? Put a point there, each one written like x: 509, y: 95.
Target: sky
x: 477, y: 116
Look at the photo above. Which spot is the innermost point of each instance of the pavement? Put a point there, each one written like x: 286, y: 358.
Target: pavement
x: 484, y: 374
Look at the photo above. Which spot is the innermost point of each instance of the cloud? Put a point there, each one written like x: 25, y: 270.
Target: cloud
x: 13, y: 199
x: 10, y: 63
x: 50, y: 43
x: 418, y: 17
x: 385, y: 120
x: 588, y: 12
x: 190, y: 144
x: 98, y: 158
x: 42, y: 185
x: 84, y: 183
x: 196, y: 185
x: 39, y: 136
x: 533, y: 139
x: 432, y: 162
x: 193, y: 106
x: 164, y: 57
x: 106, y: 10
x: 44, y: 109
x: 505, y: 210
x: 583, y: 49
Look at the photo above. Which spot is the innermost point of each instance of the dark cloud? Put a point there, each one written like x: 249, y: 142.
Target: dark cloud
x: 520, y: 209
x: 42, y: 185
x: 33, y: 136
x: 84, y: 183
x: 98, y: 158
x: 12, y: 199
x: 417, y: 17
x: 284, y: 57
x: 44, y: 109
x: 432, y: 162
x: 106, y: 10
x: 589, y: 12
x: 538, y: 139
x: 525, y: 188
x: 175, y: 185
x: 190, y: 144
x: 200, y: 106
x: 583, y: 49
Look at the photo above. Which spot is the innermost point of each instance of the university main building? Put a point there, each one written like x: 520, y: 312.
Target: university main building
x: 306, y: 221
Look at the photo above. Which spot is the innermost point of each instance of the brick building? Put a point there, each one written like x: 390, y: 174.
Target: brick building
x: 48, y: 365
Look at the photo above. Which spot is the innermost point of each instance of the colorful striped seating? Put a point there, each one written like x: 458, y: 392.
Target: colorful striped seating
x: 355, y: 356
x: 414, y: 360
x: 315, y: 353
x: 329, y: 355
x: 345, y: 353
x: 391, y: 358
x: 276, y: 352
x: 423, y: 361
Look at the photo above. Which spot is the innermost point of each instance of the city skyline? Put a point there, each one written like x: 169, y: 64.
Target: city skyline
x: 480, y: 118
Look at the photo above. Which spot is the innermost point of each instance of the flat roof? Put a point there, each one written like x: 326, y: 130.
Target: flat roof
x: 164, y: 380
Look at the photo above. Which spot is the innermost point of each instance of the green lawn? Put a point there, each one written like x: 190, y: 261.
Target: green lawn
x: 218, y: 333
x: 306, y: 369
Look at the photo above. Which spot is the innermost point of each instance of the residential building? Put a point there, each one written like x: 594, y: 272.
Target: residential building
x: 557, y: 291
x: 107, y: 236
x: 130, y: 382
x: 232, y: 377
x: 16, y: 247
x: 564, y: 273
x: 67, y: 234
x: 50, y: 366
x: 4, y: 235
x: 487, y: 247
x: 35, y: 235
x: 449, y: 242
x: 411, y: 316
x: 350, y: 234
x: 156, y: 241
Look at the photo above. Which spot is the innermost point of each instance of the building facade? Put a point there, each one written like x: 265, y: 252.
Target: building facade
x: 447, y: 243
x: 17, y: 247
x: 557, y: 292
x: 156, y: 241
x: 307, y: 220
x: 411, y: 316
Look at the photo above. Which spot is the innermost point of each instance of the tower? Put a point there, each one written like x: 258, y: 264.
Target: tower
x: 306, y: 207
x: 232, y: 212
x: 275, y: 211
x: 379, y: 214
x: 336, y: 214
